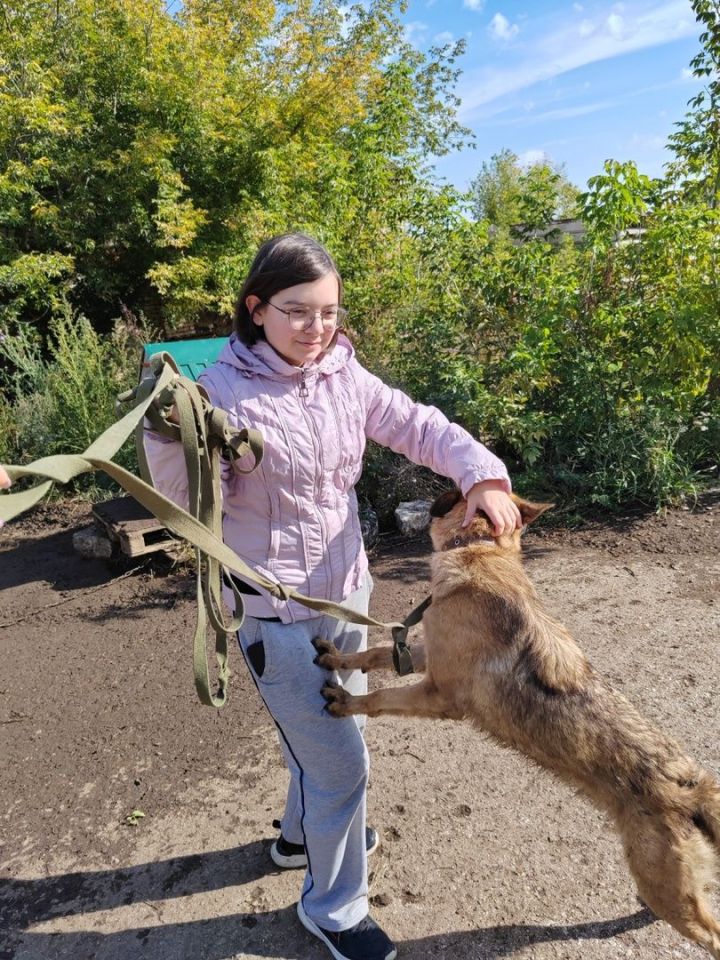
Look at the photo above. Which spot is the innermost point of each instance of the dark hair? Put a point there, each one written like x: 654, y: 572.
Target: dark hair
x: 281, y: 262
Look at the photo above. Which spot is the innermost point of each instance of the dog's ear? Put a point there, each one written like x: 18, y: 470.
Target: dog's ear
x: 530, y: 511
x: 445, y: 502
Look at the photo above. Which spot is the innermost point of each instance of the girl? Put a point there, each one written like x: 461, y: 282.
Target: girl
x: 289, y: 371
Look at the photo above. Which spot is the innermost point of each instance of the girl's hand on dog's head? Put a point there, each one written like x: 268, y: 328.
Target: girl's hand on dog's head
x: 5, y: 480
x: 492, y: 497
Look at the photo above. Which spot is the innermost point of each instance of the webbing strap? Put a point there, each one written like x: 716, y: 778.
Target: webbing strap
x: 402, y: 658
x: 205, y: 434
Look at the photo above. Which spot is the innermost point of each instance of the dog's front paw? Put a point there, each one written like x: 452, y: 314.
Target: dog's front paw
x: 329, y: 657
x: 338, y: 699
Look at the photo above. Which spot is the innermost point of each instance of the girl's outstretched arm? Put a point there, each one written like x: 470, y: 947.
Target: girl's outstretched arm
x: 424, y: 435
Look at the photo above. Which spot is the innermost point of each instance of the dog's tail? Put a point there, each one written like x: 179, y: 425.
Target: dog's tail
x: 674, y: 855
x: 706, y: 820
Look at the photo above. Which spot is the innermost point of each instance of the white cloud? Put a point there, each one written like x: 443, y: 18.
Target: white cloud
x: 416, y: 32
x: 558, y: 113
x: 650, y: 24
x: 501, y: 29
x: 530, y: 157
x: 582, y: 110
x: 687, y: 74
x: 510, y: 116
x: 442, y: 38
x: 616, y: 25
x: 647, y: 142
x: 587, y: 28
x: 474, y: 4
x: 578, y: 7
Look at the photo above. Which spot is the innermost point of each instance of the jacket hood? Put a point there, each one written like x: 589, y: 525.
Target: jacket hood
x: 262, y: 361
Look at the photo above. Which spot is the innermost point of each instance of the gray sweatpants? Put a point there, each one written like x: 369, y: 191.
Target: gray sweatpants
x: 326, y: 756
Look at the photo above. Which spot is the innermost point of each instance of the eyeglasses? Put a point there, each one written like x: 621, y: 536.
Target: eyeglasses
x: 300, y: 318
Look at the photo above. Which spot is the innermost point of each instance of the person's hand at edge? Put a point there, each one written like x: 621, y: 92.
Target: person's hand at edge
x: 490, y: 497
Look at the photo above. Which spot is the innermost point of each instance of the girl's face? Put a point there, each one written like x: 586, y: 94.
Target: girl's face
x: 298, y: 346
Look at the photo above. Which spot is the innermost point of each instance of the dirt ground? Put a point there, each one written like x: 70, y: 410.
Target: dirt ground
x: 482, y: 856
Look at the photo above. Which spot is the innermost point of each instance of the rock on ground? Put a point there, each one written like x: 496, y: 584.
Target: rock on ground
x: 412, y: 517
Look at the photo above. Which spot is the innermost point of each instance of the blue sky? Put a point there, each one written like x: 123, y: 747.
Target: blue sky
x: 575, y: 82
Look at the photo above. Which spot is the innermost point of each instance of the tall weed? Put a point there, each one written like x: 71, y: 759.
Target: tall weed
x: 60, y: 398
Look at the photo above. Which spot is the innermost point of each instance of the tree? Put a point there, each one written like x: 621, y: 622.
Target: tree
x: 145, y: 154
x: 695, y: 168
x: 507, y: 193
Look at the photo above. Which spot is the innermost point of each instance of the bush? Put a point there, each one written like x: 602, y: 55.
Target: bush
x: 145, y: 153
x: 593, y: 369
x: 60, y: 401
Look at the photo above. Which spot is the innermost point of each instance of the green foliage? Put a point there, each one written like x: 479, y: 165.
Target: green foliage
x: 695, y: 168
x: 144, y: 155
x: 133, y: 819
x: 34, y: 284
x: 615, y: 201
x: 593, y: 368
x: 60, y: 402
x: 510, y: 195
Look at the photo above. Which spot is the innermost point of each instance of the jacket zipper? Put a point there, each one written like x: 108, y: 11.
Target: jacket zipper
x: 304, y: 392
x: 333, y: 405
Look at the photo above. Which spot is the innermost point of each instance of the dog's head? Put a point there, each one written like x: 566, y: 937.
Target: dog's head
x: 448, y: 512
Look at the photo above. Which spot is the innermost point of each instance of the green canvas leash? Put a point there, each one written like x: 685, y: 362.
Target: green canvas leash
x: 206, y: 435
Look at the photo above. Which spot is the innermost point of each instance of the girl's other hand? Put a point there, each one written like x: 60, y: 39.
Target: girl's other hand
x: 490, y: 497
x: 5, y: 480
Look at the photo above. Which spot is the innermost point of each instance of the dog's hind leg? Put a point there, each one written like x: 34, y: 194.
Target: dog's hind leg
x: 375, y: 658
x: 674, y: 864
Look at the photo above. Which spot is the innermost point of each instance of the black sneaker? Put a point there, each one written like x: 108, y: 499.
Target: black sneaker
x: 291, y: 856
x: 365, y: 941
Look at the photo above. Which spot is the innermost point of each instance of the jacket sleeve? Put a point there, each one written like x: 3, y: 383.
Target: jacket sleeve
x: 167, y: 462
x: 424, y: 435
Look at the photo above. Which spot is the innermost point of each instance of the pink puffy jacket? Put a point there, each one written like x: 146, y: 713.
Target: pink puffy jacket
x: 295, y: 519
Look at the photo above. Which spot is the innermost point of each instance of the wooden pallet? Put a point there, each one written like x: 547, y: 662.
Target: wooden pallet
x: 132, y: 526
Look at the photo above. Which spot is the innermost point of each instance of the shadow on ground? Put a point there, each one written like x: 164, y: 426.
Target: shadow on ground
x: 274, y: 934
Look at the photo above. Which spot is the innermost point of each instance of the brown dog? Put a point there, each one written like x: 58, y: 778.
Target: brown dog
x: 494, y: 656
